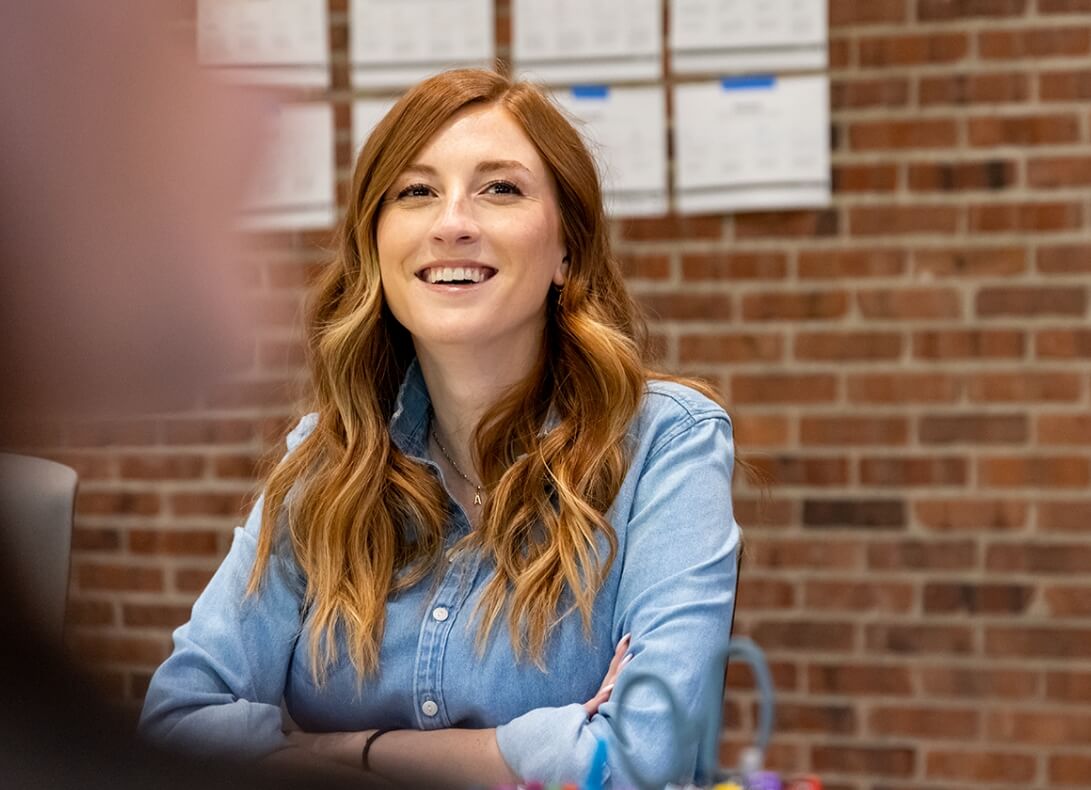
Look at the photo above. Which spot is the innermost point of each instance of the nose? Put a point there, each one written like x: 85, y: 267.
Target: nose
x: 455, y: 223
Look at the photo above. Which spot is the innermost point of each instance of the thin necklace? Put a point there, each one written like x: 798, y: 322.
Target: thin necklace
x: 451, y: 461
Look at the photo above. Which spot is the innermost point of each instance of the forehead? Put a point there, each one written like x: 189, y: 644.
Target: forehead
x: 478, y: 134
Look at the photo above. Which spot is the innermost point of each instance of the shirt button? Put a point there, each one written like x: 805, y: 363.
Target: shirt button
x: 429, y: 708
x: 440, y: 613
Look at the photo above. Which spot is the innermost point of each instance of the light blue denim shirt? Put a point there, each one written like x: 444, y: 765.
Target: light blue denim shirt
x: 239, y: 660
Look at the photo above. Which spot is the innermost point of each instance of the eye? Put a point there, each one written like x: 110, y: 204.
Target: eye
x: 414, y: 191
x: 502, y: 188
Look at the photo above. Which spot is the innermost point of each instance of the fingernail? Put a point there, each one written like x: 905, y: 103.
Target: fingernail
x: 626, y: 660
x: 627, y: 637
x: 607, y: 689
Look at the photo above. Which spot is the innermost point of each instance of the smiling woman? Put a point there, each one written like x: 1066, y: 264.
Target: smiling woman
x: 487, y: 453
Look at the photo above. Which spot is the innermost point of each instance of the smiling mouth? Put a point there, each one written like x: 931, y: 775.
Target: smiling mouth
x: 456, y: 275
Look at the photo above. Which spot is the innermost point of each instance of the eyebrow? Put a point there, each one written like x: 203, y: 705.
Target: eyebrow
x: 488, y: 166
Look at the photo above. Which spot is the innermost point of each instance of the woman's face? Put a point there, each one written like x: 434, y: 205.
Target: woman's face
x: 469, y: 236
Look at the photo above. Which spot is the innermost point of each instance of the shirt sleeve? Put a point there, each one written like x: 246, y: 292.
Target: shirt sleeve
x: 676, y: 597
x: 219, y: 693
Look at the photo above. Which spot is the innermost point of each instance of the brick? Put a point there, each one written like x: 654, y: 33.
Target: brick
x: 1069, y: 686
x: 847, y: 346
x: 978, y: 682
x: 1064, y: 429
x: 1068, y: 601
x: 1027, y: 642
x: 87, y: 539
x: 1024, y: 387
x: 1026, y: 301
x: 902, y: 220
x: 154, y: 615
x: 829, y: 719
x: 858, y: 596
x: 89, y: 466
x: 971, y: 344
x: 1064, y: 259
x: 864, y: 760
x: 854, y: 514
x: 1069, y: 769
x: 117, y: 503
x: 803, y: 471
x: 1059, y: 171
x: 913, y: 471
x: 949, y: 597
x: 999, y: 515
x: 762, y: 593
x: 112, y: 433
x: 119, y: 649
x: 998, y: 767
x: 931, y: 554
x: 209, y: 503
x: 953, y: 10
x: 735, y: 347
x: 912, y: 49
x: 974, y: 428
x: 1064, y: 515
x: 192, y: 579
x: 909, y: 303
x: 854, y: 263
x: 1023, y: 130
x: 237, y: 467
x: 207, y: 430
x: 115, y: 577
x: 254, y: 394
x: 645, y: 266
x: 808, y: 554
x: 865, y: 178
x: 859, y: 679
x: 786, y: 224
x: 674, y: 306
x: 894, y: 135
x: 293, y: 275
x: 852, y: 431
x: 1043, y: 471
x: 857, y: 94
x: 921, y: 722
x: 89, y: 612
x: 783, y: 388
x: 1026, y: 217
x: 761, y: 430
x: 919, y: 639
x: 810, y: 306
x: 1063, y: 343
x: 160, y: 467
x: 275, y: 355
x: 892, y: 388
x: 1047, y: 728
x: 807, y: 635
x: 741, y: 676
x: 672, y: 227
x: 734, y: 266
x: 177, y: 542
x: 993, y: 174
x: 971, y: 89
x: 1068, y: 85
x: 1036, y: 43
x: 840, y: 51
x: 844, y: 13
x: 1042, y: 558
x: 1063, y: 6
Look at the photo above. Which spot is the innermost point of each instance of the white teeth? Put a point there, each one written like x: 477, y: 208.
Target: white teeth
x: 449, y: 274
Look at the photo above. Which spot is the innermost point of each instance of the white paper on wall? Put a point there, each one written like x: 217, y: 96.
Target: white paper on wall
x: 366, y: 114
x: 627, y: 132
x: 284, y: 42
x: 395, y: 43
x: 294, y: 186
x: 566, y: 42
x: 733, y: 36
x: 752, y: 143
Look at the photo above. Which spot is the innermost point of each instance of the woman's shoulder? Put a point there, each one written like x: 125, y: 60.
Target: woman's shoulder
x: 674, y: 402
x: 302, y: 430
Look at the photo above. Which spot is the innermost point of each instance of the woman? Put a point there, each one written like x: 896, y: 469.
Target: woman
x: 494, y: 508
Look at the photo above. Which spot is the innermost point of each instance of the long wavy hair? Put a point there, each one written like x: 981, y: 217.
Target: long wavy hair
x: 364, y: 519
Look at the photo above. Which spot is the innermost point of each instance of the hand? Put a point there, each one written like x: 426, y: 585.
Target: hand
x: 620, y: 659
x: 337, y: 747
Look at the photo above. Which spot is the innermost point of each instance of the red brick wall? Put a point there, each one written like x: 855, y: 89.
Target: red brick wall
x: 911, y: 366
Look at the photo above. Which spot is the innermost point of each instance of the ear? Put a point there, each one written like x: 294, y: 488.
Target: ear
x: 561, y: 271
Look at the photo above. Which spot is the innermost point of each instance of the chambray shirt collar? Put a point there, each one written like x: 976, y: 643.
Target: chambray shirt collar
x: 413, y: 410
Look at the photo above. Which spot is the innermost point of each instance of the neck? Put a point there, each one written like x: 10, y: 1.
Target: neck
x: 463, y: 383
